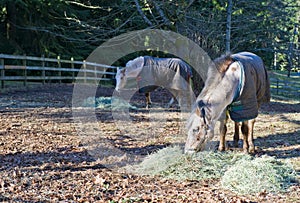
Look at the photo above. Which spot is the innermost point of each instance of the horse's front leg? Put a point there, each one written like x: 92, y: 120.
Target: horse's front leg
x: 184, y: 100
x: 175, y: 96
x: 236, y: 135
x: 148, y: 100
x: 170, y: 102
x: 247, y: 130
x: 223, y: 130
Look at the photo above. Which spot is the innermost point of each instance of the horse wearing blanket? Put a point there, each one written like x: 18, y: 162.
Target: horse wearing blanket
x: 151, y: 72
x: 236, y: 85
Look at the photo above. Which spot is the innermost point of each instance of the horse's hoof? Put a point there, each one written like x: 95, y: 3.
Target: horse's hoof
x: 245, y: 151
x: 251, y: 150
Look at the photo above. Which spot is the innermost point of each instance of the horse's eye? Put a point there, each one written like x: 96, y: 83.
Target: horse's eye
x: 196, y: 130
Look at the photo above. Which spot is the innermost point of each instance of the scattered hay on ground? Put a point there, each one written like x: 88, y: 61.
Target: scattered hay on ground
x: 170, y: 162
x: 237, y: 172
x: 107, y: 103
x: 257, y: 175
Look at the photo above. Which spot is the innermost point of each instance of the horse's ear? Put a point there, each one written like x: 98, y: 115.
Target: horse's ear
x: 200, y: 108
x: 228, y: 60
x: 222, y: 63
x: 201, y: 104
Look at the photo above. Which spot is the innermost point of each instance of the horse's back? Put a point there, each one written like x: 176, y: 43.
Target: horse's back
x: 255, y: 67
x: 256, y: 88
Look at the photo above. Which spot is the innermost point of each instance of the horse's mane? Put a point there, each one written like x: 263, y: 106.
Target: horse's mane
x: 215, y: 73
x: 135, y: 63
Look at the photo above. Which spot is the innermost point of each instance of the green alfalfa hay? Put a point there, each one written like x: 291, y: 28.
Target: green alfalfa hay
x: 171, y: 163
x: 237, y: 172
x: 160, y: 161
x: 257, y: 175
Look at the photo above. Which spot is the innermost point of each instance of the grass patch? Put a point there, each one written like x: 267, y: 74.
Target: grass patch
x: 107, y: 103
x: 237, y: 172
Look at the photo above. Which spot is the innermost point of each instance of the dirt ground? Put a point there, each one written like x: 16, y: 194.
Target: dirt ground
x: 46, y: 157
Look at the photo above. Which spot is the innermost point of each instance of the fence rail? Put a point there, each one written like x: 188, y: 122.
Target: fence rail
x: 285, y: 86
x: 41, y: 69
x: 29, y: 68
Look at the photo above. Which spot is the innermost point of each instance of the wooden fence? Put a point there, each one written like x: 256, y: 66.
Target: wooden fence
x: 44, y: 70
x: 47, y: 70
x: 282, y: 85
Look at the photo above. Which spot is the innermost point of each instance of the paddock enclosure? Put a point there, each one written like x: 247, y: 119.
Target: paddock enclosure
x: 44, y: 159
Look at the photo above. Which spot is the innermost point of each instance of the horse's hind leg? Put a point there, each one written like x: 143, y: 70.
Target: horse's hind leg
x: 148, y: 100
x: 250, y: 136
x: 245, y: 136
x: 247, y: 130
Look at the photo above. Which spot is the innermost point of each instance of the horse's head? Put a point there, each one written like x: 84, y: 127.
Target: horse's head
x: 200, y: 128
x: 120, y: 79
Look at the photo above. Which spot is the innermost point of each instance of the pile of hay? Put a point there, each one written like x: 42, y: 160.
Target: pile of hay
x: 259, y: 174
x: 107, y: 103
x: 237, y: 172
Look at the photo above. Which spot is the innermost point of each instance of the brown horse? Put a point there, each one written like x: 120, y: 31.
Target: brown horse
x: 236, y: 85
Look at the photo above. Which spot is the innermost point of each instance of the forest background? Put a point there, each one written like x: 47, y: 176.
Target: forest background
x: 75, y: 28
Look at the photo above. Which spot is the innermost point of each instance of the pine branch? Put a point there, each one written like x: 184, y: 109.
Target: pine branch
x: 142, y: 13
x: 161, y: 13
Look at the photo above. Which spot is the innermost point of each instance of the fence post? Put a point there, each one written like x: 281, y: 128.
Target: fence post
x: 25, y: 71
x: 2, y: 73
x: 43, y: 69
x: 84, y: 71
x: 72, y: 66
x: 59, y: 66
x: 277, y: 86
x: 95, y: 74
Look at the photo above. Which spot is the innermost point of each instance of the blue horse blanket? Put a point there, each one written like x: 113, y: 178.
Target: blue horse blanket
x: 170, y: 73
x: 256, y: 89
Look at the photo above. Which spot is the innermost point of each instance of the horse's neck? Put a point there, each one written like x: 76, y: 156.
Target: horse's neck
x: 133, y: 72
x: 223, y: 94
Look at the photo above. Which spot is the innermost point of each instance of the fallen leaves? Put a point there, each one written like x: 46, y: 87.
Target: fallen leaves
x: 42, y: 159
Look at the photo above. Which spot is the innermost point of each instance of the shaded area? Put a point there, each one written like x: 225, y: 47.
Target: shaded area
x: 284, y: 145
x: 279, y: 106
x: 65, y: 156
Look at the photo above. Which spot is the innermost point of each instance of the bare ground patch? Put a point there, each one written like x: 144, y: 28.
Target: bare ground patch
x: 43, y: 159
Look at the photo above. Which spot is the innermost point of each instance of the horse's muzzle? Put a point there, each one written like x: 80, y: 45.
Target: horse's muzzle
x: 189, y: 151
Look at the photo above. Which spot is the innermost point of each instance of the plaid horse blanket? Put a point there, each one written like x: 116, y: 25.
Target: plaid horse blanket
x: 170, y: 73
x: 256, y: 89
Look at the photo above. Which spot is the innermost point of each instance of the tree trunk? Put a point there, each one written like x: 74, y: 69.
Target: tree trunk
x: 11, y: 20
x: 228, y: 25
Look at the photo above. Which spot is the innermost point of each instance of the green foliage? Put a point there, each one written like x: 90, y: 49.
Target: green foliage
x: 75, y: 28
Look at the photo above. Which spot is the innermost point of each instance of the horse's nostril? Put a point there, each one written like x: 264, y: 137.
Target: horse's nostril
x: 189, y: 151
